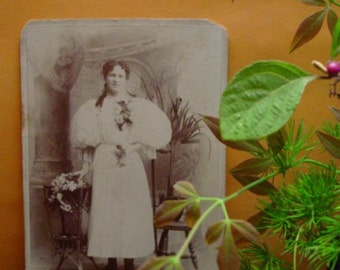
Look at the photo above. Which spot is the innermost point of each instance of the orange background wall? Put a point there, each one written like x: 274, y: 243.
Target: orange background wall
x: 257, y: 30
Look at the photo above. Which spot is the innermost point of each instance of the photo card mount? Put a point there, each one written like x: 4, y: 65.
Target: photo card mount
x: 178, y: 65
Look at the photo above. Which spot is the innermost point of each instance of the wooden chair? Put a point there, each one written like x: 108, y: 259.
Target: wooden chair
x: 162, y: 246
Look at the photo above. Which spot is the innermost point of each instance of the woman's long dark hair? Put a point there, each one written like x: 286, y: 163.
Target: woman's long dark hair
x: 107, y: 68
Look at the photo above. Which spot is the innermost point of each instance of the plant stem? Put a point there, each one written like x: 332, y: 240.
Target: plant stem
x: 251, y: 185
x: 196, y: 226
x: 218, y: 201
x: 335, y: 2
x: 320, y: 164
x: 295, y: 249
x: 224, y: 209
x: 208, y: 199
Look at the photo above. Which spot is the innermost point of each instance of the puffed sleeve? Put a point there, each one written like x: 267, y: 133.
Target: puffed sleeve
x: 150, y: 124
x: 84, y: 130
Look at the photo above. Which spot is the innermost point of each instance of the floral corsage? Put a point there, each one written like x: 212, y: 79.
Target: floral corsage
x: 123, y: 117
x: 120, y: 155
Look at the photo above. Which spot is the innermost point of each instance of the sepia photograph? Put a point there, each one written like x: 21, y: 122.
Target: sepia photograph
x: 112, y: 120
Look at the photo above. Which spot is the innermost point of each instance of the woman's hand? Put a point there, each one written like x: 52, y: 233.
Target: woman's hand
x: 132, y: 147
x: 84, y: 170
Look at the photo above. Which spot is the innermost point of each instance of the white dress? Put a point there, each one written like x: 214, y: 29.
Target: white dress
x: 121, y: 217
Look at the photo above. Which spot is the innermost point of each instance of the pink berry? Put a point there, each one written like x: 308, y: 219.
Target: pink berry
x: 333, y: 68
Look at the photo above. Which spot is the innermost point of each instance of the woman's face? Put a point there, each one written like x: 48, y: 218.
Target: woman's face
x: 116, y: 80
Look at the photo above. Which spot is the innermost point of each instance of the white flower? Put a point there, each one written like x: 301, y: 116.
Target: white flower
x: 119, y: 119
x: 62, y: 179
x: 59, y: 196
x: 55, y: 189
x: 72, y: 186
x: 66, y: 207
x: 51, y: 198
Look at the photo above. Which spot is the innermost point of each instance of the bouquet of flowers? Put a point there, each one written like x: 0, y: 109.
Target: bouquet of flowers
x: 62, y: 188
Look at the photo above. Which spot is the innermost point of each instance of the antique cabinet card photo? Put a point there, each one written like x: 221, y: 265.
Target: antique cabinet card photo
x: 112, y: 119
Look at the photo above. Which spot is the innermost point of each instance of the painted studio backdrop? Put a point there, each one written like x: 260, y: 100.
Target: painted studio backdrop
x: 179, y: 65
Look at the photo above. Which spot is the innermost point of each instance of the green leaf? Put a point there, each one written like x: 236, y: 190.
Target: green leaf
x: 277, y: 140
x: 185, y: 189
x: 252, y: 166
x: 155, y: 263
x: 246, y: 229
x: 260, y: 99
x: 335, y: 48
x: 169, y: 211
x: 213, y: 124
x: 314, y: 2
x: 308, y: 29
x: 331, y: 143
x: 228, y: 256
x: 332, y: 18
x: 262, y: 189
x: 256, y: 220
x: 336, y: 112
x: 252, y: 146
x: 193, y: 214
x: 214, y: 232
x: 161, y: 263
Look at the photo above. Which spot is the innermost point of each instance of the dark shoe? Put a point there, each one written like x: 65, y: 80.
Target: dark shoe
x: 128, y: 263
x: 111, y: 264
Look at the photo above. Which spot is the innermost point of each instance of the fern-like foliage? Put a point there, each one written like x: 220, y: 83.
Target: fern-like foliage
x: 259, y: 257
x: 301, y: 214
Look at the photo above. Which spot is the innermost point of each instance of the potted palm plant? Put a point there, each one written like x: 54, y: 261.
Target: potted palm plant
x: 185, y: 129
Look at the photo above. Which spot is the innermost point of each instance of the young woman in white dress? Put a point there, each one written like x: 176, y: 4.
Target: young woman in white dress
x: 111, y: 131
